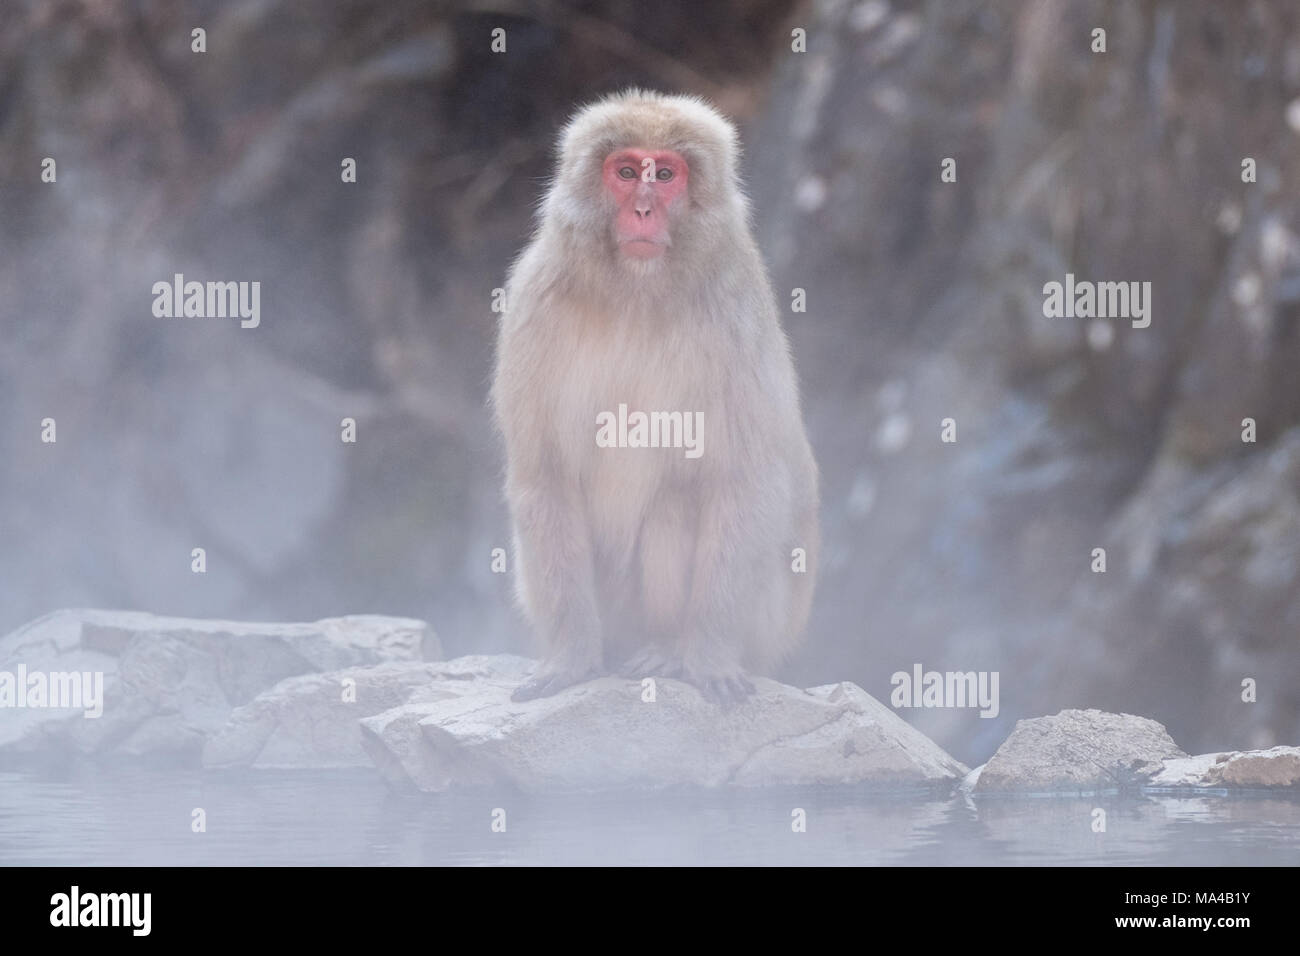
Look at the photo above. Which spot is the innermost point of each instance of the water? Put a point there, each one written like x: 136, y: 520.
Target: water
x: 139, y: 817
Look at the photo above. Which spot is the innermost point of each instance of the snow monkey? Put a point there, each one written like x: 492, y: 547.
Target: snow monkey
x: 662, y: 490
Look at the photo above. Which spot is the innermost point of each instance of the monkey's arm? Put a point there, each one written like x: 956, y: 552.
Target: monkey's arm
x: 554, y: 569
x: 556, y: 584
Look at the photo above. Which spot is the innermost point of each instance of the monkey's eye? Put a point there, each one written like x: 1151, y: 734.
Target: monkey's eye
x: 627, y: 172
x: 664, y: 174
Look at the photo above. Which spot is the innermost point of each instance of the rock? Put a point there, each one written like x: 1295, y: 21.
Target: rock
x: 1179, y: 772
x: 602, y: 735
x: 169, y: 683
x: 1078, y: 751
x: 305, y: 722
x: 1278, y: 768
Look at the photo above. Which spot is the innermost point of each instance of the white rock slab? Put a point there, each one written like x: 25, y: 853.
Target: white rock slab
x: 603, y: 735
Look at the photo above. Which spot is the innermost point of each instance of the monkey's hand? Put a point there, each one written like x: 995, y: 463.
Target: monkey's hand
x: 551, y: 678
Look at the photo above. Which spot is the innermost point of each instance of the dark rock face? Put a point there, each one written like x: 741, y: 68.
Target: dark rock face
x: 926, y: 302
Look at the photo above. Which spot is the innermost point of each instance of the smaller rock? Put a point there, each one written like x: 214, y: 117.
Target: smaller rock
x: 1278, y: 768
x: 1078, y: 751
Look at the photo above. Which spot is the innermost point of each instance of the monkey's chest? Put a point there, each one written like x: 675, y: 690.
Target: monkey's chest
x: 628, y: 391
x: 630, y: 422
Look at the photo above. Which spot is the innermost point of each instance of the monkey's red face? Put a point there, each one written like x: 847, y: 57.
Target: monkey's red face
x: 649, y: 190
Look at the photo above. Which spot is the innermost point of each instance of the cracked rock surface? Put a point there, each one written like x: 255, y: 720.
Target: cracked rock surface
x: 310, y: 721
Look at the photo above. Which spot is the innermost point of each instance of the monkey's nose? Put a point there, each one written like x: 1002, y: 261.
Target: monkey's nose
x: 643, y: 210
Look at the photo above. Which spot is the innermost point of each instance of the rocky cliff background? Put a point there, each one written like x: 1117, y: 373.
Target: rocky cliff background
x: 924, y: 302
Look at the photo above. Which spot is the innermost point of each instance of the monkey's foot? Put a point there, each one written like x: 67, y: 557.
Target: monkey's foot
x: 726, y: 688
x: 652, y: 662
x: 549, y: 681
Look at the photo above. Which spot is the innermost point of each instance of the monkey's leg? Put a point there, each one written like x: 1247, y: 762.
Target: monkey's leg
x: 665, y: 549
x: 557, y: 586
x: 726, y: 598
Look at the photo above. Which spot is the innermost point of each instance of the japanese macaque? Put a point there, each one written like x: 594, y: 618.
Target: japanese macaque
x: 662, y: 489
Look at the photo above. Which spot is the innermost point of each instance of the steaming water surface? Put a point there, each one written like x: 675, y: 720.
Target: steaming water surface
x: 143, y: 817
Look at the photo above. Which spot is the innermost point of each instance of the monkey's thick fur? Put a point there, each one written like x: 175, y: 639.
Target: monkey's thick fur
x: 642, y: 560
